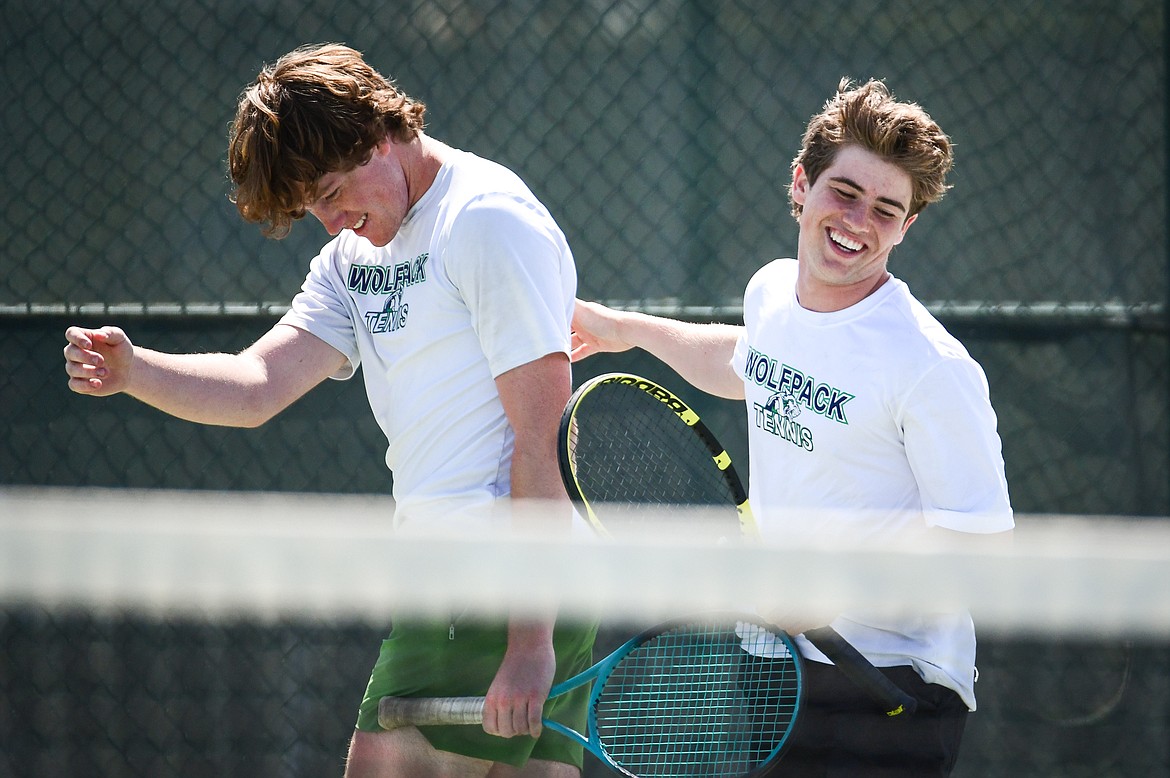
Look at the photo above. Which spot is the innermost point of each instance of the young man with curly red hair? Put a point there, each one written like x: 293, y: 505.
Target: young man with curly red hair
x: 452, y: 287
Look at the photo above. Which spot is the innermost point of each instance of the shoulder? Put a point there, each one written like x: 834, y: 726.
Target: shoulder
x: 473, y: 178
x: 917, y: 351
x: 919, y: 330
x: 775, y: 275
x: 485, y: 195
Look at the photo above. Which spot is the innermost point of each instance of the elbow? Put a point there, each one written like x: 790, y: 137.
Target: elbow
x: 256, y: 410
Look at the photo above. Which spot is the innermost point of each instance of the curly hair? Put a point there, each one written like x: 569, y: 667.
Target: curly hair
x: 318, y: 109
x: 901, y: 133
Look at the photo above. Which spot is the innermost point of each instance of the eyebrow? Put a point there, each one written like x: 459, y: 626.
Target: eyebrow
x: 887, y: 200
x: 322, y: 192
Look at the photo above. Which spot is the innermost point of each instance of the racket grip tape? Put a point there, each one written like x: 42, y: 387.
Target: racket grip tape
x: 395, y: 712
x: 851, y: 662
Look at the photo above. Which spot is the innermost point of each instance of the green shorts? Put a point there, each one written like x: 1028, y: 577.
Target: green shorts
x: 434, y: 659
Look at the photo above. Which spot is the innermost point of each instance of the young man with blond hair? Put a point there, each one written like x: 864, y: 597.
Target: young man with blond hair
x: 867, y: 422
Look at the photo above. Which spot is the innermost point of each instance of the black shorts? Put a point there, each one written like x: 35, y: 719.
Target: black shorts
x: 841, y: 733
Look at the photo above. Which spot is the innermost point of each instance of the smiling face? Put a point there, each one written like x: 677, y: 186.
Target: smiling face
x: 371, y: 199
x: 851, y: 218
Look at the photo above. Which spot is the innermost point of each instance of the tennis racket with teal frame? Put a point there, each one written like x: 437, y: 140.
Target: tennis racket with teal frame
x: 713, y: 696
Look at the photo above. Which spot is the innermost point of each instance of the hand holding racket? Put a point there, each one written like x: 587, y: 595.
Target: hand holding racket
x: 626, y: 441
x: 709, y: 697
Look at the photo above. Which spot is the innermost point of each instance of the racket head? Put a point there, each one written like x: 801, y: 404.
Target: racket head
x: 710, y: 695
x: 627, y: 447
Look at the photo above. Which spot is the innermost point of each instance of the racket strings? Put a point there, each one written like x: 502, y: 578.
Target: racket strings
x: 695, y: 701
x: 627, y: 447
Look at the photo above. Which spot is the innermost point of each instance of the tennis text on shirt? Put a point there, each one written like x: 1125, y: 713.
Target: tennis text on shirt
x: 792, y: 392
x: 379, y: 280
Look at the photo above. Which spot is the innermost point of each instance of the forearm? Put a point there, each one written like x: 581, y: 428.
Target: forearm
x: 237, y: 390
x: 219, y: 389
x: 533, y: 396
x: 700, y: 353
x: 536, y: 481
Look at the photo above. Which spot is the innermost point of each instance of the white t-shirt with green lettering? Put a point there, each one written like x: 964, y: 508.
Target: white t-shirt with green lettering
x: 479, y: 280
x: 869, y: 425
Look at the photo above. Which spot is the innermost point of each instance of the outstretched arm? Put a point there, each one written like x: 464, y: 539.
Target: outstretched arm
x: 700, y: 353
x: 234, y: 390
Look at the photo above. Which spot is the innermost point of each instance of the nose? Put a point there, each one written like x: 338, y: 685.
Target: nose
x: 855, y: 215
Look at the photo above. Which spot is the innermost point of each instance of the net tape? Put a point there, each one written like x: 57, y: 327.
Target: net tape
x: 268, y: 556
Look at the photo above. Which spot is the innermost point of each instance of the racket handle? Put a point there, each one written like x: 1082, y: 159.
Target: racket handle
x: 395, y: 712
x: 858, y: 669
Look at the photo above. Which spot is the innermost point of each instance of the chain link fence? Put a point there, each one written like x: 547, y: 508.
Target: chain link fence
x: 659, y: 133
x: 113, y: 696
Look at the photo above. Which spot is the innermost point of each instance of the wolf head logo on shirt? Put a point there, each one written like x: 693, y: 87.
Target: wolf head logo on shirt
x: 783, y: 403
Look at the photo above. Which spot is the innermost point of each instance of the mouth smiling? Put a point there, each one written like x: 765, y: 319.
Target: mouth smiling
x: 844, y: 242
x: 360, y: 222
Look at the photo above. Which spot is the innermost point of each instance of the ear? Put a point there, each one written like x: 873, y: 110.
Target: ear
x: 800, y: 185
x: 905, y: 226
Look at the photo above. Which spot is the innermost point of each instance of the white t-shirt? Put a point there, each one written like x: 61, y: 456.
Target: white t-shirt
x: 479, y: 280
x: 870, y: 424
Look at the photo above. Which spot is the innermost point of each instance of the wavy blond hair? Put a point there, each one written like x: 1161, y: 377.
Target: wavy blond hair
x: 899, y: 132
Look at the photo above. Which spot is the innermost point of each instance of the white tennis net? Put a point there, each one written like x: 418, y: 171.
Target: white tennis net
x: 329, y: 557
x: 194, y: 633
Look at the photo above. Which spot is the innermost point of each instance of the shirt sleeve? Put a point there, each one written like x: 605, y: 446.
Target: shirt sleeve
x: 513, y: 268
x: 955, y: 451
x: 321, y: 309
